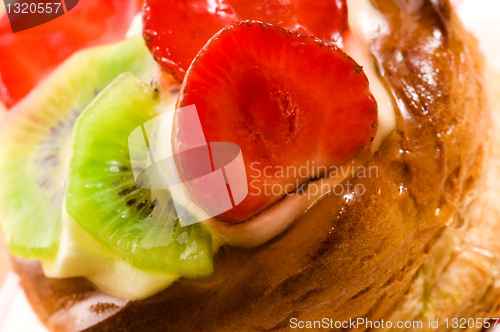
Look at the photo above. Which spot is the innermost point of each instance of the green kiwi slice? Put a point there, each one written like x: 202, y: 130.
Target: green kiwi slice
x: 35, y: 137
x: 139, y: 224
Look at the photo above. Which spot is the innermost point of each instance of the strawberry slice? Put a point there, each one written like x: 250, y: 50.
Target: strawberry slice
x: 289, y: 101
x: 175, y: 31
x: 28, y: 56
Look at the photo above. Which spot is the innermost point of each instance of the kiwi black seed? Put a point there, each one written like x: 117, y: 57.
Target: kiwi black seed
x: 138, y: 224
x: 36, y: 139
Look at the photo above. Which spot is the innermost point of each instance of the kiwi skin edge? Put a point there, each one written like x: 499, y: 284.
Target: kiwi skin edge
x: 140, y: 225
x: 36, y: 135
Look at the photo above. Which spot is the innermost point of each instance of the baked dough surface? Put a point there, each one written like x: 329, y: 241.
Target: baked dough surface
x: 421, y: 243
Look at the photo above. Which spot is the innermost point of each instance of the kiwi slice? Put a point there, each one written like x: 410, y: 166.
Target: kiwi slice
x: 139, y: 224
x: 35, y: 137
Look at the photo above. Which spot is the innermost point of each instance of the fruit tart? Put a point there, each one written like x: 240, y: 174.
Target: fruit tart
x: 311, y: 165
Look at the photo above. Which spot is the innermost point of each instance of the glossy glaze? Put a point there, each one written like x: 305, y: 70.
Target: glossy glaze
x: 351, y: 256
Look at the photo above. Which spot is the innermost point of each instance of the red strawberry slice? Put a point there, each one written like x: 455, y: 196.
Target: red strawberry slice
x: 176, y: 30
x: 29, y: 56
x: 287, y: 100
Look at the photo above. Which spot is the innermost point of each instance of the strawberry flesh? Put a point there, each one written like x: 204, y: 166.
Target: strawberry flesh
x: 29, y: 56
x: 175, y: 31
x: 286, y: 99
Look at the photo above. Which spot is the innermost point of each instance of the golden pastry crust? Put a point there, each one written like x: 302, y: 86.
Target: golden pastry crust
x: 388, y: 254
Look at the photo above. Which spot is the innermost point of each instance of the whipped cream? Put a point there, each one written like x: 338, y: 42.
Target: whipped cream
x: 135, y: 28
x: 81, y: 255
x: 366, y: 23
